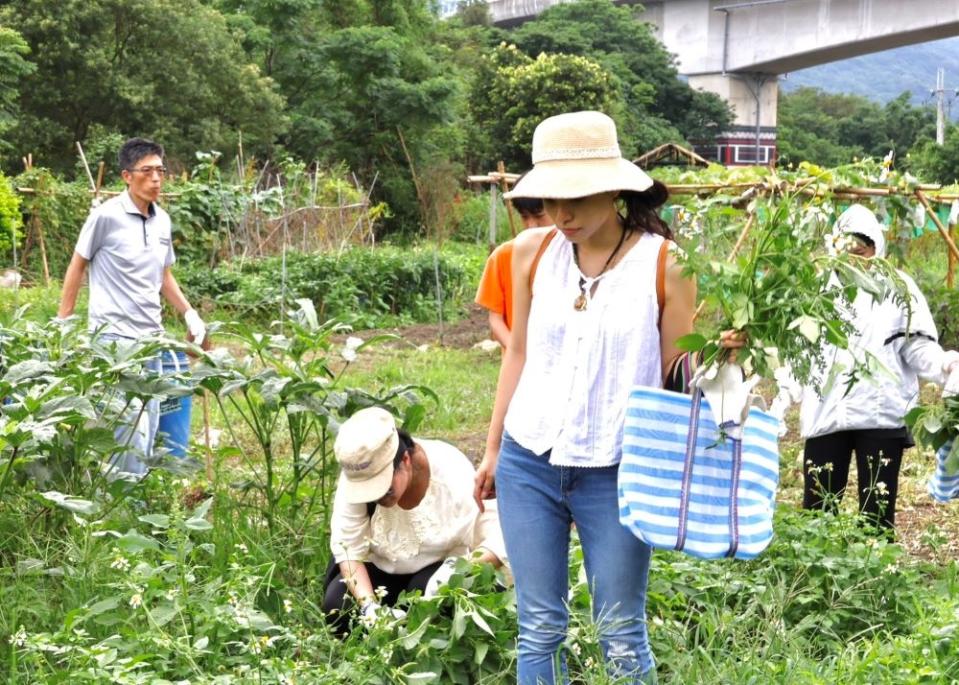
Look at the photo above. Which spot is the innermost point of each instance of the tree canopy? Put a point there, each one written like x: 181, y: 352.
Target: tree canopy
x: 831, y: 129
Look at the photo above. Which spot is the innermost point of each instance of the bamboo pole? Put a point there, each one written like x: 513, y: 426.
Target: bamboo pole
x: 504, y: 188
x: 942, y: 229
x: 950, y: 266
x: 38, y: 228
x: 206, y: 435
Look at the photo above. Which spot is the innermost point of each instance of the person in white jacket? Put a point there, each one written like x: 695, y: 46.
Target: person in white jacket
x: 868, y: 418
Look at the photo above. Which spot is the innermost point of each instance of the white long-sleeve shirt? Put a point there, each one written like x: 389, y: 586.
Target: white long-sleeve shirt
x: 907, y: 347
x: 447, y: 522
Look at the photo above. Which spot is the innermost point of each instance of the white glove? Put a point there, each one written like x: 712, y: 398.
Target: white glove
x: 195, y: 326
x: 952, y: 383
x: 440, y: 577
x: 790, y: 392
x: 727, y: 394
x: 369, y: 611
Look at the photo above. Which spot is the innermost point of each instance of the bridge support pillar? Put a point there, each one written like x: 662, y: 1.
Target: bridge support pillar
x: 753, y: 97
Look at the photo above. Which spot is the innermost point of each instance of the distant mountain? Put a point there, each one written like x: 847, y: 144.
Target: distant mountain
x: 884, y: 75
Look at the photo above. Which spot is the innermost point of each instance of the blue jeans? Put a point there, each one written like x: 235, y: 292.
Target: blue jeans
x: 537, y: 503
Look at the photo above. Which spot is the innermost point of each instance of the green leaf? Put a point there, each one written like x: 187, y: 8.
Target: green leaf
x: 156, y: 520
x: 134, y: 543
x: 692, y: 342
x: 103, y: 605
x: 480, y: 651
x: 413, y: 638
x: 74, y: 504
x: 419, y: 678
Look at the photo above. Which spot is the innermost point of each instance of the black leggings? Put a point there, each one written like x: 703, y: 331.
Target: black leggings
x: 826, y: 462
x: 337, y: 600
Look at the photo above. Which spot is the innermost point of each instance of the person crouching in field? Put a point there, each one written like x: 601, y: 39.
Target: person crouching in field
x: 402, y: 513
x: 495, y: 293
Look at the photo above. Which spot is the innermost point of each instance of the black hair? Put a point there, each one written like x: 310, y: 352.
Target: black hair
x: 641, y: 210
x: 528, y: 205
x: 405, y: 445
x: 867, y: 241
x: 136, y: 149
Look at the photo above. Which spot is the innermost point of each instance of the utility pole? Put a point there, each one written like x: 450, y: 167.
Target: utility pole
x: 940, y: 93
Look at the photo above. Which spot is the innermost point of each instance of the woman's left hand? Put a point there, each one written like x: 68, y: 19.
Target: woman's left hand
x: 732, y: 340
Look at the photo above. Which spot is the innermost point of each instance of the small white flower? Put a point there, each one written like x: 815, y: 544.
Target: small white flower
x: 137, y: 600
x: 368, y: 620
x: 120, y: 563
x: 827, y: 466
x: 287, y: 606
x: 240, y: 547
x: 350, y: 347
x: 881, y: 488
x: 575, y: 648
x: 19, y: 638
x: 170, y: 594
x: 380, y: 592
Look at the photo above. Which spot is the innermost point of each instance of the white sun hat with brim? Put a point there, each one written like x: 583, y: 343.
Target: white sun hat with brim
x: 365, y: 448
x: 860, y: 219
x: 575, y: 155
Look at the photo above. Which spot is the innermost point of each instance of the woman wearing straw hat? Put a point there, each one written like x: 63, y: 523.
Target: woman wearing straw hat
x: 587, y: 327
x: 402, y: 513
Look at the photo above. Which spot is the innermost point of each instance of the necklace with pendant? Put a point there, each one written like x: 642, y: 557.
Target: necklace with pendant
x: 581, y: 301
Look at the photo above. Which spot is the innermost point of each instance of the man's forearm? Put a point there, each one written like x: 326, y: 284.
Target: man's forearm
x: 173, y: 294
x: 72, y: 281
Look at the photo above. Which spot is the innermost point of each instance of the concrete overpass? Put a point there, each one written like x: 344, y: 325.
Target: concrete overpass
x: 739, y: 48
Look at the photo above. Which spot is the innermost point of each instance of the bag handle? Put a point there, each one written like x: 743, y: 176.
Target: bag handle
x: 661, y: 281
x: 539, y: 253
x: 734, y: 497
x: 684, y: 493
x: 688, y: 469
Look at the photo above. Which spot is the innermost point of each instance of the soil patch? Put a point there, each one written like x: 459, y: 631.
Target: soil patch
x: 460, y: 334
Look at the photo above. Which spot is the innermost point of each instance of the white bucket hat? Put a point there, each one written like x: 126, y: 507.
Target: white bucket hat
x: 576, y: 155
x: 859, y: 219
x: 365, y: 448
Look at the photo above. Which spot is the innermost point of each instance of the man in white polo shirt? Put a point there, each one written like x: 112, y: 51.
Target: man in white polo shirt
x: 128, y: 246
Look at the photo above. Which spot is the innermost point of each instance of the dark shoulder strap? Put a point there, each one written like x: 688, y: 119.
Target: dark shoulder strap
x: 539, y: 253
x: 370, y: 508
x: 661, y: 280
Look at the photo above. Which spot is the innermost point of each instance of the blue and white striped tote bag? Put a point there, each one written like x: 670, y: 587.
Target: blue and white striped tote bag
x: 685, y: 487
x: 943, y: 485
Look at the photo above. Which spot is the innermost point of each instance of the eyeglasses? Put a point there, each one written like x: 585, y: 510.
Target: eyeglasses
x: 150, y: 170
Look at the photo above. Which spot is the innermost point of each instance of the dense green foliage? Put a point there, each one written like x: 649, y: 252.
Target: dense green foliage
x: 13, y: 67
x: 830, y: 129
x: 168, y: 69
x: 406, y: 102
x: 10, y: 218
x: 361, y: 286
x: 938, y: 163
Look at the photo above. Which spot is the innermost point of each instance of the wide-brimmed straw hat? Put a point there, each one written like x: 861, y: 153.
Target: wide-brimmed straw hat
x: 365, y: 448
x: 860, y: 219
x: 575, y: 155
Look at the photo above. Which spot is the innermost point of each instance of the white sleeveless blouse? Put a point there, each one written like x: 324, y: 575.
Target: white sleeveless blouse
x: 580, y: 365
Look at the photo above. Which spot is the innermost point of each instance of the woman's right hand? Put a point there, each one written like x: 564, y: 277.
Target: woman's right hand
x: 485, y: 481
